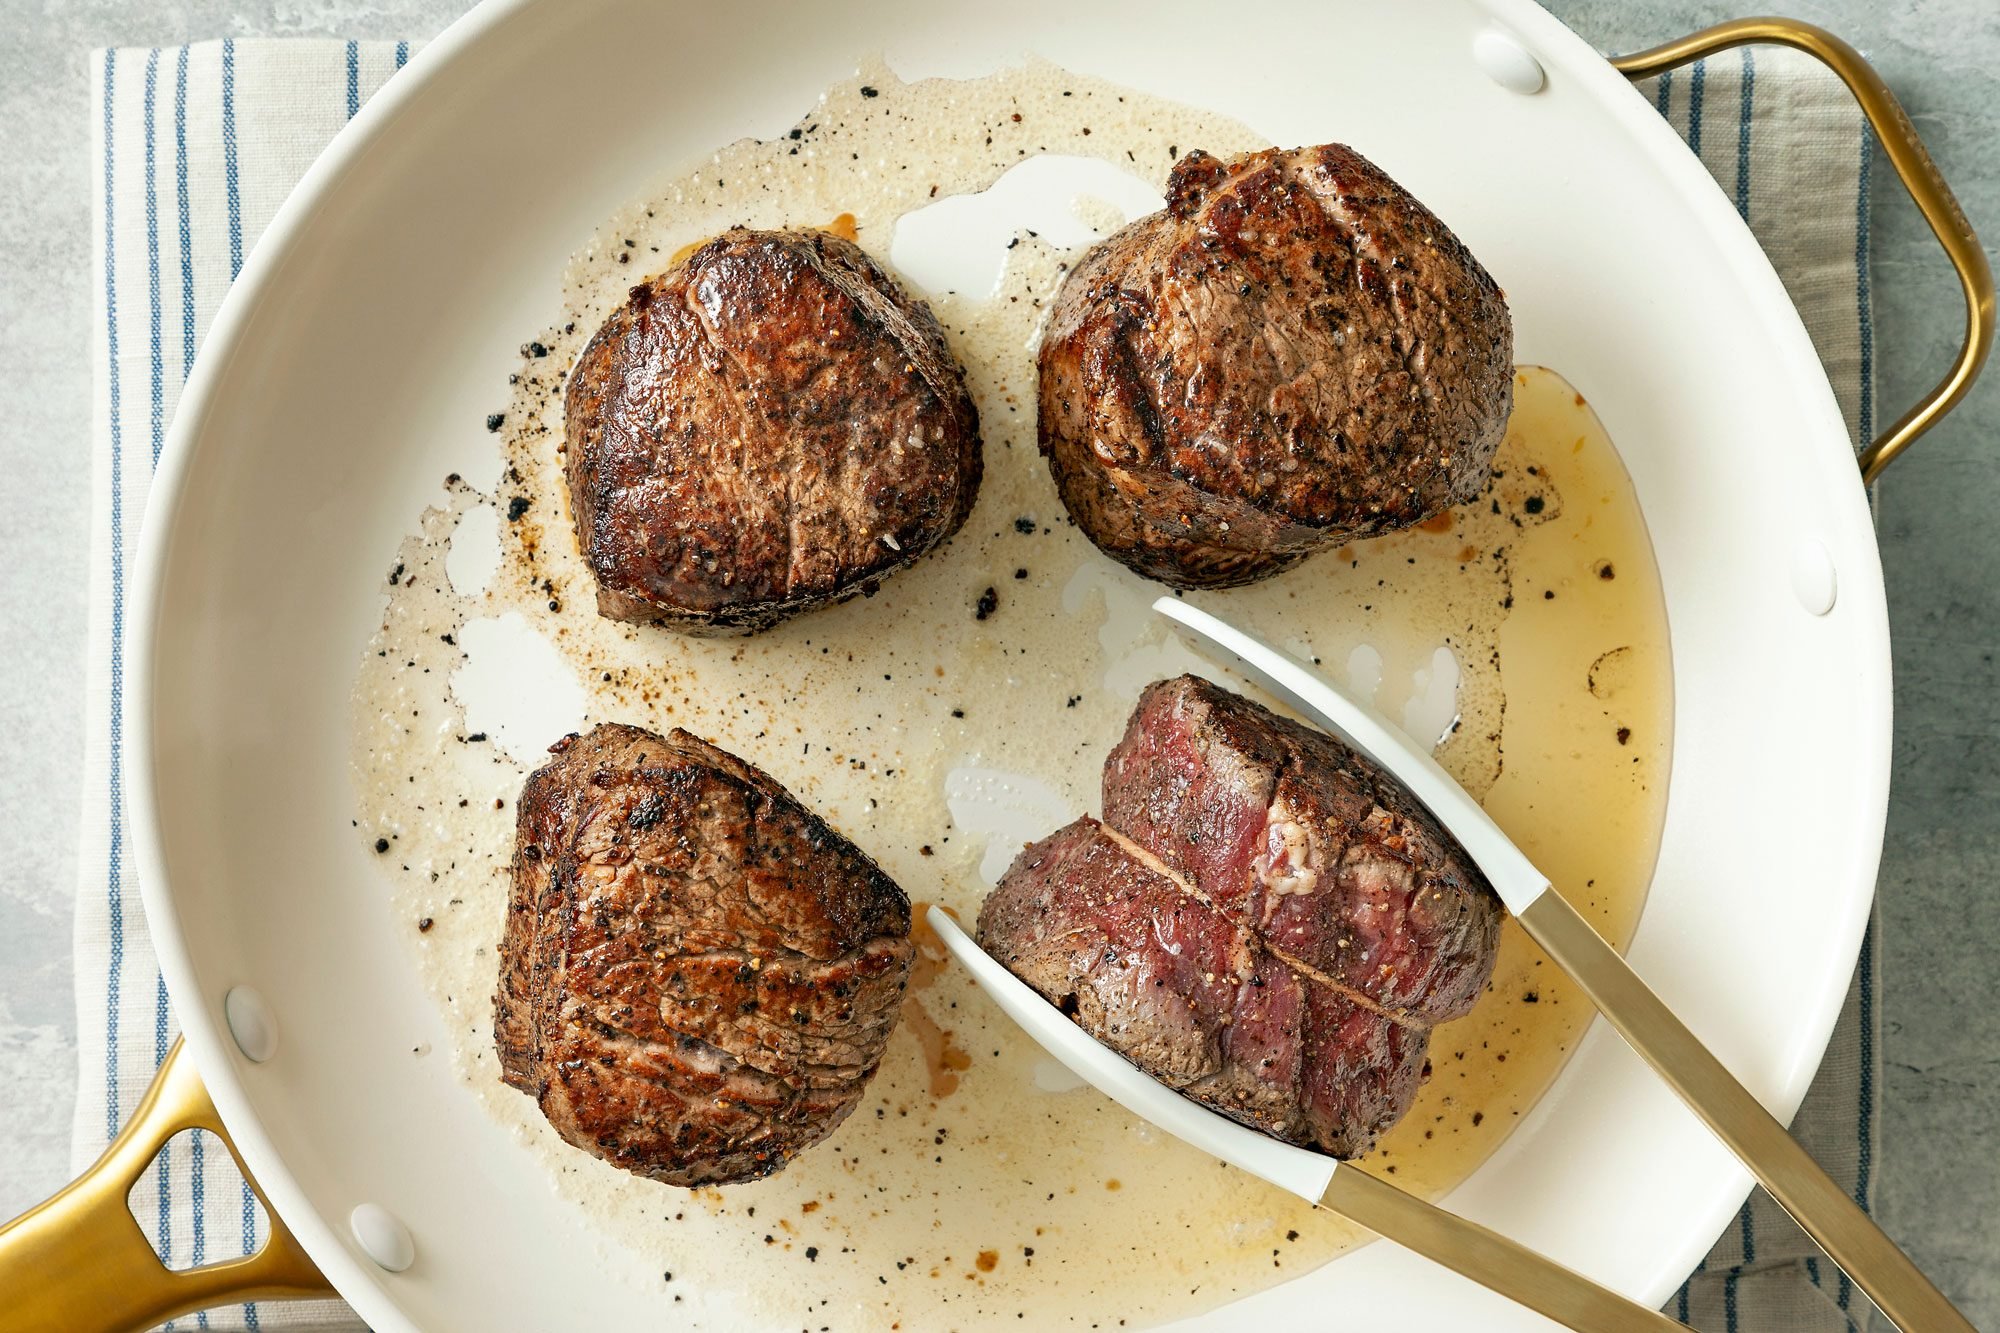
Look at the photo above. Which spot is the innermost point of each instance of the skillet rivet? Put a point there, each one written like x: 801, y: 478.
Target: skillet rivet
x: 381, y: 1237
x: 251, y: 1023
x: 1814, y: 580
x: 1507, y: 62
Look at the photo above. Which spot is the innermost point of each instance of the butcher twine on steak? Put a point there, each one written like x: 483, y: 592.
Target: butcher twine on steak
x: 1265, y: 920
x: 1293, y: 354
x: 771, y: 426
x: 698, y: 976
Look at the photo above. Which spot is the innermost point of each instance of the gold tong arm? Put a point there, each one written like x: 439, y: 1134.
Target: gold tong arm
x: 79, y: 1262
x: 1914, y: 167
x: 1486, y: 1257
x: 1825, y: 1211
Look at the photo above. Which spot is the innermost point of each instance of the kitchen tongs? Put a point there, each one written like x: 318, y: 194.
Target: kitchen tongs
x: 1847, y: 1234
x: 1490, y: 1259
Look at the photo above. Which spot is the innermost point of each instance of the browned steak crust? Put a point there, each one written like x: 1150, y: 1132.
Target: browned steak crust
x: 698, y: 976
x: 1293, y: 354
x: 770, y: 426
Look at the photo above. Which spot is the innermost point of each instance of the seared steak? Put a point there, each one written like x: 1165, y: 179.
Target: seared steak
x: 698, y: 976
x: 1293, y: 354
x: 771, y: 426
x: 1147, y: 967
x: 1306, y: 844
x: 1265, y: 920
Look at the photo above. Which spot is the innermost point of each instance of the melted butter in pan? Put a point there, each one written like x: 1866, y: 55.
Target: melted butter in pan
x: 972, y: 1188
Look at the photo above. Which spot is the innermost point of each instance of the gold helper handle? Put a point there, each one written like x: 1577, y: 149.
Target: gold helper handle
x: 1914, y: 168
x: 1822, y: 1208
x: 79, y: 1263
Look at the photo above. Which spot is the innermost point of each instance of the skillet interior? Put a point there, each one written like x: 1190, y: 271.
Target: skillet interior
x: 353, y: 364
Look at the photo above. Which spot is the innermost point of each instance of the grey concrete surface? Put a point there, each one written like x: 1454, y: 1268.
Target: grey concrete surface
x: 1939, y: 1170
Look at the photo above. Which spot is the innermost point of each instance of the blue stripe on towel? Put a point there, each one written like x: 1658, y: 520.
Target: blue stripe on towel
x: 1743, y: 134
x: 181, y: 202
x: 229, y: 157
x: 1865, y: 1161
x: 1697, y: 79
x: 1865, y: 312
x: 166, y: 1158
x: 1865, y: 1152
x: 402, y: 54
x: 156, y: 411
x: 156, y: 419
x: 114, y: 889
x: 197, y: 1194
x: 1664, y: 94
x: 1812, y: 1271
x: 353, y: 78
x: 1729, y: 1281
x: 249, y: 1246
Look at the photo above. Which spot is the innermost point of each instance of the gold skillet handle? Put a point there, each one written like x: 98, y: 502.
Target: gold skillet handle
x: 79, y: 1263
x: 1913, y: 167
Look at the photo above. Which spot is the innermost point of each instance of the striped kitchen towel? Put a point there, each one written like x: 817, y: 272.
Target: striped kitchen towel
x: 196, y: 147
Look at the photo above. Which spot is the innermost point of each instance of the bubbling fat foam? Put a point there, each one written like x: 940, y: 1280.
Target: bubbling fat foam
x: 974, y: 1186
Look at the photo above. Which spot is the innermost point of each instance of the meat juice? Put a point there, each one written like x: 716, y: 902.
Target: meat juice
x: 965, y: 708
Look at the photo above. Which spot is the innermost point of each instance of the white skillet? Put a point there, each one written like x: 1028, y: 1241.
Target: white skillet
x: 353, y: 362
